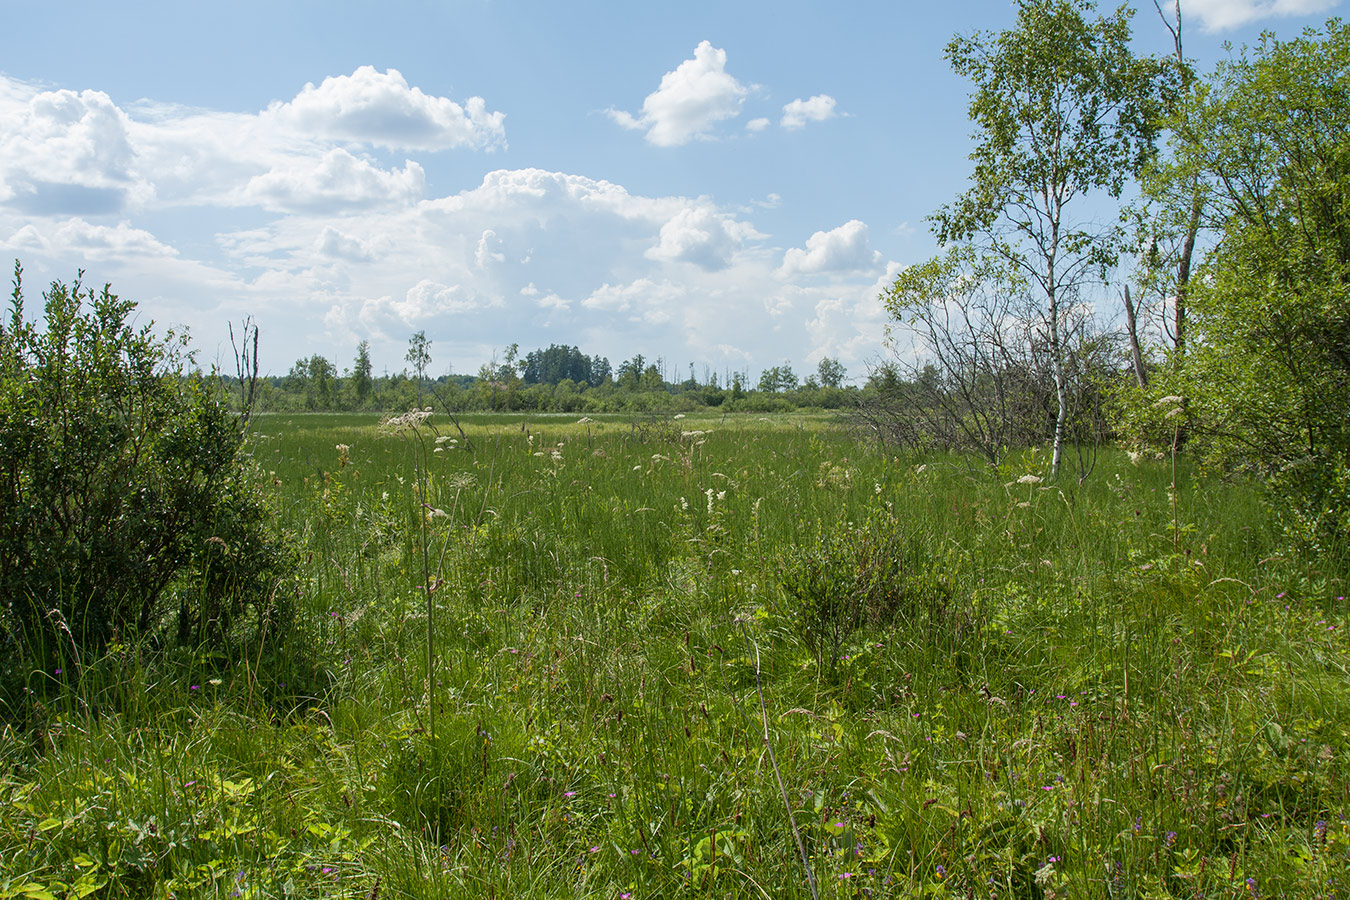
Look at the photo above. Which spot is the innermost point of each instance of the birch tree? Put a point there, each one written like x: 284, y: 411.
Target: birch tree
x: 1064, y: 113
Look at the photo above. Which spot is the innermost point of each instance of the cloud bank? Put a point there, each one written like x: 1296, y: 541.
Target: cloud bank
x: 343, y: 245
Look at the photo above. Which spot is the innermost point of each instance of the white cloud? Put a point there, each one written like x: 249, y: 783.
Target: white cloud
x: 336, y: 245
x: 80, y: 239
x: 692, y: 99
x: 843, y: 249
x: 644, y: 298
x: 797, y: 113
x: 64, y: 153
x: 1222, y: 15
x: 701, y: 236
x: 427, y: 300
x: 553, y: 302
x: 335, y: 182
x: 758, y: 124
x: 489, y: 249
x: 381, y: 109
x: 849, y: 325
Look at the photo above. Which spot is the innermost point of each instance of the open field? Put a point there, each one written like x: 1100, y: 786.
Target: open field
x: 673, y: 657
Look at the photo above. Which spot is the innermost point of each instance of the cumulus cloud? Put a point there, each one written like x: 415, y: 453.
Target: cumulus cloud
x: 848, y: 324
x: 643, y: 298
x: 797, y: 113
x: 842, y: 249
x: 489, y: 249
x: 1222, y: 15
x: 337, y: 181
x: 382, y: 109
x: 68, y: 153
x: 758, y: 124
x: 425, y: 301
x: 336, y: 245
x: 690, y: 101
x: 700, y: 236
x: 64, y: 153
x: 81, y: 239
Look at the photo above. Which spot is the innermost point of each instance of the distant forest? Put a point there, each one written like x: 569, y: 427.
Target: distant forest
x: 558, y: 378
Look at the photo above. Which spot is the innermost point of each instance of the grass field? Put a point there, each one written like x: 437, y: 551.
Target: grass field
x: 715, y: 657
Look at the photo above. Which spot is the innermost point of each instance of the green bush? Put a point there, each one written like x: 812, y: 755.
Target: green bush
x: 869, y: 575
x: 124, y: 495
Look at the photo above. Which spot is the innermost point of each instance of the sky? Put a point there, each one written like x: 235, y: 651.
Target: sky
x: 727, y: 186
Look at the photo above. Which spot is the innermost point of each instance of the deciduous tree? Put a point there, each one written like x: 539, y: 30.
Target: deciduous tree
x: 1064, y: 111
x: 1268, y: 367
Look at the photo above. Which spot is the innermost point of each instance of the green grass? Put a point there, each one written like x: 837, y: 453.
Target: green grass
x: 1057, y: 690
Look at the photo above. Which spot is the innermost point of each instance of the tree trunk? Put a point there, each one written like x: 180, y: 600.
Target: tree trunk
x: 1132, y: 328
x: 1061, y: 389
x: 1184, y: 269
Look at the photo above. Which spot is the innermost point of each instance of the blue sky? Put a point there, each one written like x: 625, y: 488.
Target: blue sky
x: 724, y: 184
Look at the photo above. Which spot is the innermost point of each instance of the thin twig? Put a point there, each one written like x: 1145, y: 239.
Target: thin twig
x: 787, y: 804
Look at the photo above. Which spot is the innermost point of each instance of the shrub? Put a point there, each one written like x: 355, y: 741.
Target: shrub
x: 865, y: 575
x: 122, y: 484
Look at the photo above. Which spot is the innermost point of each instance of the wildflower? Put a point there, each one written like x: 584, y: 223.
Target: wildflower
x: 413, y: 419
x: 1030, y: 479
x: 1251, y: 888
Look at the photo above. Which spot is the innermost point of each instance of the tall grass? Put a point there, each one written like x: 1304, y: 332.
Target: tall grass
x: 1056, y: 691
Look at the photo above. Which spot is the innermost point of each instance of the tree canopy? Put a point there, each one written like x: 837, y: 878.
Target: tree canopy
x: 1267, y: 373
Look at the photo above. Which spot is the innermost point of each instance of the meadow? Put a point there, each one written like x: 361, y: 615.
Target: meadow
x: 714, y: 656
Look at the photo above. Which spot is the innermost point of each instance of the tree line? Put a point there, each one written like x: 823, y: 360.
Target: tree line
x: 557, y: 378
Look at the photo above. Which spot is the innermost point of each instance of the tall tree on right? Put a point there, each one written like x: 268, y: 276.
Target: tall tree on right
x: 1266, y: 375
x: 1063, y: 111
